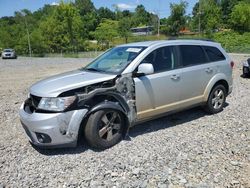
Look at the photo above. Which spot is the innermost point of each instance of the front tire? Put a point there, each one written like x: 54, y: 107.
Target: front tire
x: 104, y: 128
x: 216, y: 99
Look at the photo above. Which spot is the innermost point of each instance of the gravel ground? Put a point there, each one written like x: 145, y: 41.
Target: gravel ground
x: 187, y: 149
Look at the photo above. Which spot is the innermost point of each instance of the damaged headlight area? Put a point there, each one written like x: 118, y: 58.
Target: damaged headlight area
x: 56, y: 104
x: 245, y: 64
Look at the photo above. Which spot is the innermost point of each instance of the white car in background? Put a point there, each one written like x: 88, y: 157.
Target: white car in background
x: 9, y: 54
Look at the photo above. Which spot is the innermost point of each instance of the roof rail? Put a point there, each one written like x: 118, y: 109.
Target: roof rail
x: 203, y: 39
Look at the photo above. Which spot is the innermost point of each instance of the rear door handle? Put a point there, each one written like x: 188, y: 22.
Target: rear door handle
x: 209, y: 70
x: 175, y: 77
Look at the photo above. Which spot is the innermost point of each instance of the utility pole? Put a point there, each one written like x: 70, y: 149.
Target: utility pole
x: 158, y: 26
x: 159, y: 21
x: 199, y: 17
x: 28, y: 34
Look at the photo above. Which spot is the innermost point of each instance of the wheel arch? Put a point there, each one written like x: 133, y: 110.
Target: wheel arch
x: 216, y: 80
x: 110, y: 100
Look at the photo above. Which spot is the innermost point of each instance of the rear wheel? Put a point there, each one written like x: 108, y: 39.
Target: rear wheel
x: 216, y: 99
x: 246, y: 72
x: 104, y: 128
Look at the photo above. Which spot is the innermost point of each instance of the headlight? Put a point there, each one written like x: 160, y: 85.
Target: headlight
x: 56, y: 103
x: 245, y: 64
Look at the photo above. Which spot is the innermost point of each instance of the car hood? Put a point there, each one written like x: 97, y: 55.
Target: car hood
x: 7, y: 53
x: 55, y: 85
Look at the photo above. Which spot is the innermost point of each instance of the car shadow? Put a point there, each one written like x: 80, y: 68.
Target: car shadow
x: 80, y: 148
x: 167, y: 121
x: 138, y: 130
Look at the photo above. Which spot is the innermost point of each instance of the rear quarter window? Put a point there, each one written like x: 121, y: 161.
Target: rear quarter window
x: 214, y: 54
x: 192, y: 55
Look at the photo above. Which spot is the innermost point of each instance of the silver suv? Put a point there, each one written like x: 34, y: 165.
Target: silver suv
x: 126, y: 85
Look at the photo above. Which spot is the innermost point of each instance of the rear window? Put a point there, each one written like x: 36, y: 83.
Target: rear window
x: 214, y: 54
x: 192, y: 55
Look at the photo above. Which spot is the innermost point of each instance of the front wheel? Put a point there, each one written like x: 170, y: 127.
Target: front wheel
x: 216, y: 99
x: 104, y: 128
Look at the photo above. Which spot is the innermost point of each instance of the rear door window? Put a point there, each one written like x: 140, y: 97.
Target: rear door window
x: 192, y: 55
x: 214, y: 54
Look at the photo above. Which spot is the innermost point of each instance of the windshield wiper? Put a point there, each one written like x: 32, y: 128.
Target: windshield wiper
x: 93, y: 69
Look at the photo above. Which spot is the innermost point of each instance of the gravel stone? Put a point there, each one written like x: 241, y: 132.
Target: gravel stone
x: 186, y: 149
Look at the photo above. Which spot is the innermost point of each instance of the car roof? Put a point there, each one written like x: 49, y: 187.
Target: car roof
x: 8, y: 49
x: 172, y: 42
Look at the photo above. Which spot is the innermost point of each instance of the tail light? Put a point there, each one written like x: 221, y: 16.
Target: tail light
x: 232, y: 64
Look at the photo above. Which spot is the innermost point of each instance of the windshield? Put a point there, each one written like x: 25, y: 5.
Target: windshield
x: 7, y: 50
x: 115, y: 60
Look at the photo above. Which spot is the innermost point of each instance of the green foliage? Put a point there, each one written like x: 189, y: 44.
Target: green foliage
x: 233, y: 41
x: 84, y: 6
x: 208, y: 15
x: 141, y: 17
x: 69, y: 27
x: 227, y: 7
x: 177, y: 18
x: 105, y: 13
x: 106, y: 31
x: 89, y: 24
x: 38, y: 42
x: 240, y: 17
x: 63, y: 29
x: 124, y: 26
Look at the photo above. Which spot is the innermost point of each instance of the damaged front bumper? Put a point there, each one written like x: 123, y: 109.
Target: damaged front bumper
x: 52, y: 129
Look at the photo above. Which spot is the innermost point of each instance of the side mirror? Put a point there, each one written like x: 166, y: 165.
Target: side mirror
x: 145, y: 69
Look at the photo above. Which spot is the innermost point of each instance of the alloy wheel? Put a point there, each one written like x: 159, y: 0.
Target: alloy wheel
x: 110, y: 125
x: 218, y: 98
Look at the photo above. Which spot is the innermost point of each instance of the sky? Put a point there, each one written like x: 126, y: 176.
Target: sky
x: 161, y: 7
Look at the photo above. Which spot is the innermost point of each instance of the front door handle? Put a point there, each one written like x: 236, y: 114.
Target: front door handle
x: 209, y: 70
x: 175, y: 77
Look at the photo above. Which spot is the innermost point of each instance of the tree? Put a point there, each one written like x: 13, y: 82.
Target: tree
x: 38, y: 42
x: 63, y: 29
x: 240, y: 17
x: 177, y: 18
x: 43, y: 13
x: 105, y: 13
x: 126, y: 13
x: 212, y: 16
x: 84, y: 6
x: 106, y: 31
x: 164, y: 27
x: 124, y: 27
x: 141, y: 17
x: 90, y: 22
x: 207, y: 15
x: 226, y: 8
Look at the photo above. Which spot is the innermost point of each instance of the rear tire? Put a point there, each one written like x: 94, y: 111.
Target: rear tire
x: 216, y: 99
x: 246, y: 72
x: 104, y: 128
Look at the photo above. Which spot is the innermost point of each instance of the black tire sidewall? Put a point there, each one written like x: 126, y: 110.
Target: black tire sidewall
x: 92, y: 130
x: 246, y: 72
x: 210, y: 107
